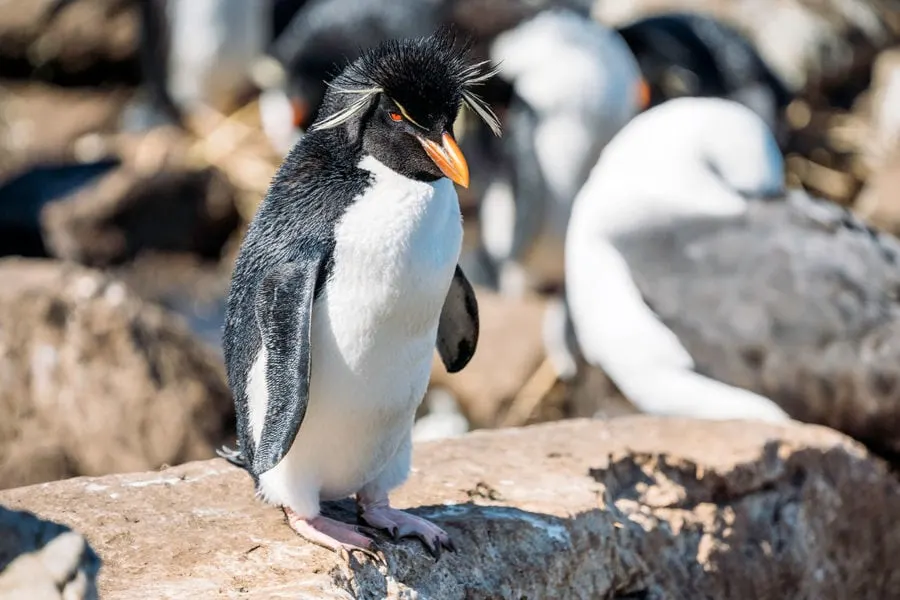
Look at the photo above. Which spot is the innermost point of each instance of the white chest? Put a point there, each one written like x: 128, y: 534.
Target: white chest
x: 373, y: 337
x: 396, y: 249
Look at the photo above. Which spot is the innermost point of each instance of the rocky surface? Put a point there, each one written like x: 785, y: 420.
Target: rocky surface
x: 130, y: 210
x: 43, y: 560
x: 879, y: 201
x: 33, y: 129
x: 88, y: 41
x: 637, y: 507
x: 93, y: 380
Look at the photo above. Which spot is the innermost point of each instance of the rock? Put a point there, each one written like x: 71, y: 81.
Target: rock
x: 133, y: 209
x: 33, y: 129
x: 879, y: 200
x: 94, y: 381
x: 882, y: 137
x: 42, y: 560
x: 85, y: 43
x: 637, y: 507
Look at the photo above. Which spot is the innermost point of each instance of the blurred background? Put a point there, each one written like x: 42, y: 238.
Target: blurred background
x: 137, y: 138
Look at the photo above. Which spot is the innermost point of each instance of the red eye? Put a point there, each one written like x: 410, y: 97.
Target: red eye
x: 395, y: 116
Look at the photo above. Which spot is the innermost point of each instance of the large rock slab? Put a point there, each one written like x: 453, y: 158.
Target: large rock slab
x: 93, y: 380
x: 636, y: 507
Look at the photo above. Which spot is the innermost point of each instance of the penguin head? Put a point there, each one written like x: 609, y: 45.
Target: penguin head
x: 398, y: 103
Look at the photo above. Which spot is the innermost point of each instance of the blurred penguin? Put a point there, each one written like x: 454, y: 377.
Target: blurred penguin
x: 324, y: 34
x: 214, y: 44
x: 574, y: 84
x: 690, y: 54
x: 200, y: 53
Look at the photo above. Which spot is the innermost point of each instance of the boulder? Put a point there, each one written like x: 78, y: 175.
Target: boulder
x: 43, y: 560
x: 879, y: 200
x: 82, y: 43
x: 93, y: 380
x: 635, y: 507
x: 130, y: 210
x: 34, y: 131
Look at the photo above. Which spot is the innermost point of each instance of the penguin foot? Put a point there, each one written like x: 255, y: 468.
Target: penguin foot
x: 402, y: 524
x: 334, y: 535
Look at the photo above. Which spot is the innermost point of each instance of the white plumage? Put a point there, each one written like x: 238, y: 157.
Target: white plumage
x: 373, y: 337
x: 582, y: 81
x: 214, y: 45
x: 684, y: 159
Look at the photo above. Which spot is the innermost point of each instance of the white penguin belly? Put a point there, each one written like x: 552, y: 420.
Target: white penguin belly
x: 373, y: 334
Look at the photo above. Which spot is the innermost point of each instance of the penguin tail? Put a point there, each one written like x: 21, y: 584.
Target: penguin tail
x: 235, y: 457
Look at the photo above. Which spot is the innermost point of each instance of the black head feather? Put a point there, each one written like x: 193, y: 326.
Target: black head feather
x: 429, y: 77
x: 425, y: 75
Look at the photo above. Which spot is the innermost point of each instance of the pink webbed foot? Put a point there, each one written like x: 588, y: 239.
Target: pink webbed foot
x: 334, y: 535
x: 402, y: 524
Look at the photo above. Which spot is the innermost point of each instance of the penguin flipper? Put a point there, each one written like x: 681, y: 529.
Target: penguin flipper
x: 458, y: 327
x: 284, y: 307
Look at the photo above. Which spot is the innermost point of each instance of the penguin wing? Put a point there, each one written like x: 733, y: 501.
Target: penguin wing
x: 284, y: 306
x: 458, y: 327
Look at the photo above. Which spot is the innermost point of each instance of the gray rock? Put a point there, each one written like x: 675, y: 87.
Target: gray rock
x: 634, y: 507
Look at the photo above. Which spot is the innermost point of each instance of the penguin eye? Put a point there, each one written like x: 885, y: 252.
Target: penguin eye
x: 396, y: 117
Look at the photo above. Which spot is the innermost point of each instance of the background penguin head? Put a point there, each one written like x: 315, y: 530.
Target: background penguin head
x: 398, y: 103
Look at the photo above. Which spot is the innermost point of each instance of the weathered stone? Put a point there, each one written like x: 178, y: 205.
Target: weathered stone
x: 34, y: 130
x: 88, y: 41
x: 42, y: 560
x: 93, y: 380
x: 636, y: 507
x: 879, y: 201
x: 128, y: 210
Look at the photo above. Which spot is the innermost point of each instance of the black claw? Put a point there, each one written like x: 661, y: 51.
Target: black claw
x: 449, y: 545
x: 395, y: 533
x: 373, y: 554
x: 433, y: 548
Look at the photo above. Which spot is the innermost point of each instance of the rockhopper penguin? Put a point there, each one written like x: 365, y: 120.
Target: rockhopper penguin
x: 346, y: 281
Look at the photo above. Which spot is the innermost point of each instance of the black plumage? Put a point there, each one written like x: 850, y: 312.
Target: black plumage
x: 690, y: 54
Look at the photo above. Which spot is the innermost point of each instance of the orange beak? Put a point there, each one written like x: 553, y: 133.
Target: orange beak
x: 448, y: 158
x: 299, y: 113
x: 643, y: 93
